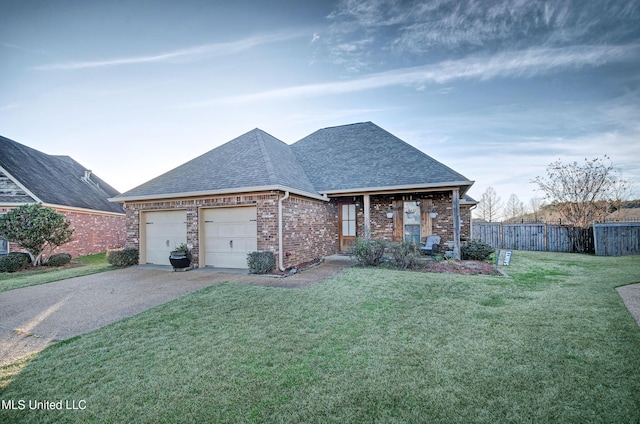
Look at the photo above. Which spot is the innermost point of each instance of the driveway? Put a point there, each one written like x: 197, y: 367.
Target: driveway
x: 34, y: 317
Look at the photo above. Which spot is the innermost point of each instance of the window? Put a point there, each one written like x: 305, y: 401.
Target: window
x: 411, y: 222
x: 349, y: 220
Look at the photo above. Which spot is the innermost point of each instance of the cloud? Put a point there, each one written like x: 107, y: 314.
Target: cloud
x: 456, y: 27
x: 193, y: 53
x: 516, y: 64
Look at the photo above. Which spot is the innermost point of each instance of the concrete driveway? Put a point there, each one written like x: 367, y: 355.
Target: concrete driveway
x: 33, y: 317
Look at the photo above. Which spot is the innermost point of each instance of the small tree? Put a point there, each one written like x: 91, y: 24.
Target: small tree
x: 582, y: 193
x: 488, y: 209
x: 535, y: 204
x: 514, y: 207
x: 38, y: 229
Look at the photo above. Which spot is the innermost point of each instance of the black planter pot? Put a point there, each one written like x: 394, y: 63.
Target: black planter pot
x: 180, y: 259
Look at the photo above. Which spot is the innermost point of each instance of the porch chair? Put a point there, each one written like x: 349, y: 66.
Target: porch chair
x: 431, y: 245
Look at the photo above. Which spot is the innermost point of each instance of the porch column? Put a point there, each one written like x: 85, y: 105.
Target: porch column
x: 367, y: 216
x: 456, y: 224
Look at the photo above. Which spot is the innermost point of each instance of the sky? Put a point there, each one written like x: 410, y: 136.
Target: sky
x: 496, y: 90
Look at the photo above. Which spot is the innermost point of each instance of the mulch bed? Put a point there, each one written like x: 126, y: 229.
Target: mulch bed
x: 461, y: 267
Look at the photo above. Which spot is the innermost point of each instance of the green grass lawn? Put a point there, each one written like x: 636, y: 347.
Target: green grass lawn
x: 91, y: 264
x: 552, y: 343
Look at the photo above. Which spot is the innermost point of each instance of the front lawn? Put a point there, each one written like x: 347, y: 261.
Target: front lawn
x: 553, y: 343
x: 78, y: 267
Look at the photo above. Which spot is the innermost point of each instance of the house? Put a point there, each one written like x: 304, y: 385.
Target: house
x: 302, y: 201
x: 59, y: 182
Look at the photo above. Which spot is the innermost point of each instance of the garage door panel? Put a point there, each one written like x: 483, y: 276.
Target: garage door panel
x: 230, y: 234
x: 165, y: 230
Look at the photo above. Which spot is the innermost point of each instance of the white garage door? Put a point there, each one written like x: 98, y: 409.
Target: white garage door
x: 165, y: 230
x: 230, y: 233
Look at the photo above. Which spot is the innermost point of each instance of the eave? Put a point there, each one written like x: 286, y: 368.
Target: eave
x: 463, y: 186
x: 168, y: 196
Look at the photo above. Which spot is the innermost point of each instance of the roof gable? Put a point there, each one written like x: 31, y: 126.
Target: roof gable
x: 364, y: 156
x: 255, y: 159
x: 57, y: 180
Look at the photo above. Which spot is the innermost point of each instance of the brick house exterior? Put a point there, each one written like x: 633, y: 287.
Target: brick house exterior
x: 59, y: 182
x: 301, y: 192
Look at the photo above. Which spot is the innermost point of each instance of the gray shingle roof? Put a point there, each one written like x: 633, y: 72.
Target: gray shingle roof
x: 340, y: 158
x: 364, y: 155
x: 255, y: 159
x: 55, y: 179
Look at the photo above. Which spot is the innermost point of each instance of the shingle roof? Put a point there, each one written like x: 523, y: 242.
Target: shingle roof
x: 255, y: 159
x: 364, y: 155
x: 55, y: 180
x: 356, y: 156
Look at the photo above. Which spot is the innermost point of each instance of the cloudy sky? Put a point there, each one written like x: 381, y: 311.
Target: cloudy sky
x: 494, y: 89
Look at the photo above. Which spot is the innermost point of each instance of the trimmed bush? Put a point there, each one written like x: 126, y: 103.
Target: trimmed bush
x: 369, y: 252
x: 261, y: 262
x: 59, y: 259
x: 14, y: 261
x: 123, y: 257
x: 476, y: 250
x: 405, y: 255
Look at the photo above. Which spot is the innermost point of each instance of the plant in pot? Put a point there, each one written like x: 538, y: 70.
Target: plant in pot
x: 181, y: 257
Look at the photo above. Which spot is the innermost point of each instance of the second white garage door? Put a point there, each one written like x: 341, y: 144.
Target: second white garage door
x: 229, y: 235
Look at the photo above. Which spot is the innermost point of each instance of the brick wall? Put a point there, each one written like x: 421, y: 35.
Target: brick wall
x: 310, y: 230
x: 266, y: 206
x: 93, y: 233
x: 310, y: 227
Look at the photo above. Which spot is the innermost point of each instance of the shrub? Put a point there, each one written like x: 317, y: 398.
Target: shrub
x: 405, y: 255
x: 123, y: 257
x: 261, y: 262
x: 369, y: 252
x: 59, y: 259
x: 14, y: 261
x: 476, y: 250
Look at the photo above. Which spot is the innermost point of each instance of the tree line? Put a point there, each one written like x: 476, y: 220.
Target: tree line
x: 579, y: 193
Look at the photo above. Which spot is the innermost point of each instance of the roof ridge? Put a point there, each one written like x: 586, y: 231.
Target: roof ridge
x: 266, y: 156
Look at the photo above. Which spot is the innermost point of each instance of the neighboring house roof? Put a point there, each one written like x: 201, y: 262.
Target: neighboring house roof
x: 364, y: 156
x: 255, y: 160
x: 33, y: 176
x: 332, y: 160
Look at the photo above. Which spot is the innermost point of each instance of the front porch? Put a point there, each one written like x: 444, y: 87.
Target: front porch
x: 403, y: 217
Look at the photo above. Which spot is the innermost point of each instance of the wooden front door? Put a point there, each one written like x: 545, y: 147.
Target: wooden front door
x: 347, y: 225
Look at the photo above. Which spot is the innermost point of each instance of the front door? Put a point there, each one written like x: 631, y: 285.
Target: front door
x: 347, y: 226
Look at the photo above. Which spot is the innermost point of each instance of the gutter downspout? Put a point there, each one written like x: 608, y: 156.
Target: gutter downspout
x: 280, y: 253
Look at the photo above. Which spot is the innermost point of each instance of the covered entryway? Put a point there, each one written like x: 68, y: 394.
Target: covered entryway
x: 229, y: 235
x: 164, y: 231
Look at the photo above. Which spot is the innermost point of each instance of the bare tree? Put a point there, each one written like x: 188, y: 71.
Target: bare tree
x: 488, y: 209
x: 514, y: 207
x: 535, y: 204
x: 581, y: 193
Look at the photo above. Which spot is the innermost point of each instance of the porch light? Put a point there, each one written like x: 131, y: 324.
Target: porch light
x: 433, y: 212
x: 390, y: 213
x: 417, y: 202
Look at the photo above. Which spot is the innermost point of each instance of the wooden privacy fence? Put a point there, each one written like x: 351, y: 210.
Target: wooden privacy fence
x: 617, y: 239
x: 534, y: 236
